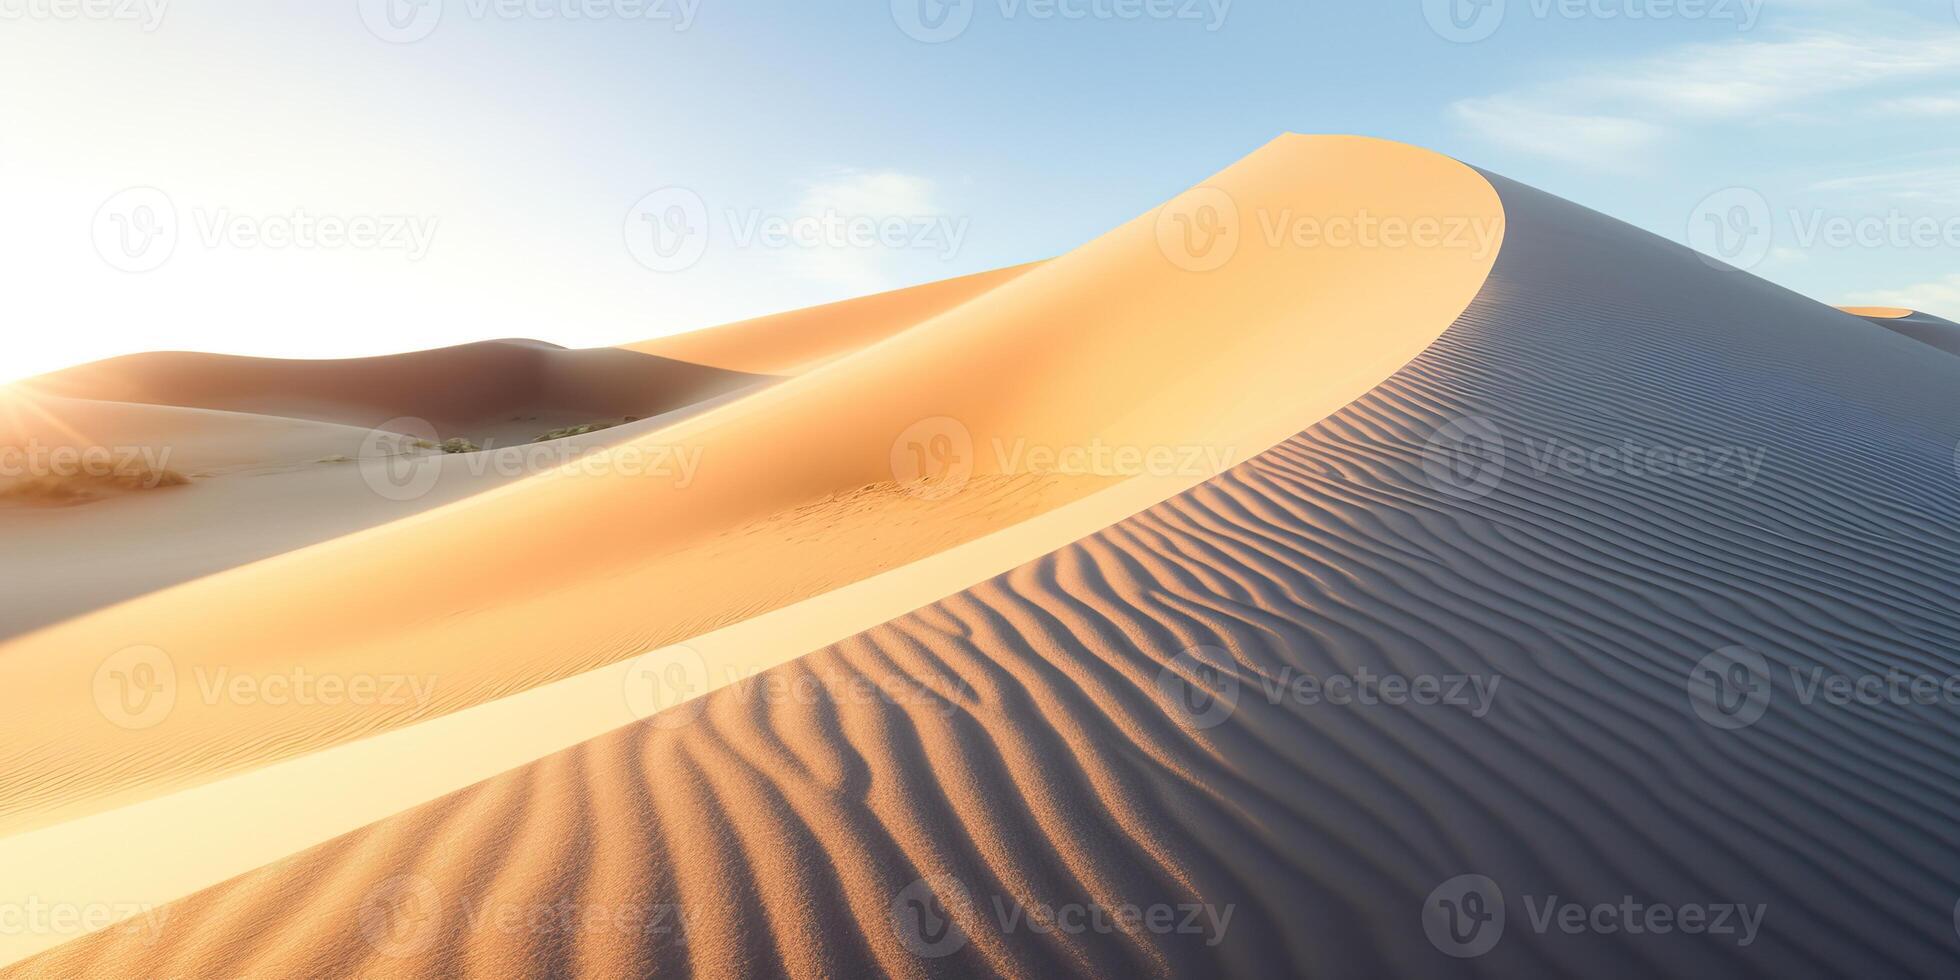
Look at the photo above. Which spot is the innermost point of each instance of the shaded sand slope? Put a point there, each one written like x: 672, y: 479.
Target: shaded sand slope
x: 260, y: 485
x: 794, y: 490
x: 1923, y: 327
x: 1026, y: 748
x: 196, y: 440
x: 794, y: 342
x: 502, y: 390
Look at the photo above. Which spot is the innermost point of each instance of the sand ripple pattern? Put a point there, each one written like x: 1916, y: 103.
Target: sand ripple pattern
x: 1015, y: 747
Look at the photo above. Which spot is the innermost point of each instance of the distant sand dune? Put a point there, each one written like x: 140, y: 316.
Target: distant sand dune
x: 1923, y: 327
x: 1029, y: 751
x: 502, y: 390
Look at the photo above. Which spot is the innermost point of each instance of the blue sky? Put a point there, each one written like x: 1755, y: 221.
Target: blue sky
x: 340, y: 177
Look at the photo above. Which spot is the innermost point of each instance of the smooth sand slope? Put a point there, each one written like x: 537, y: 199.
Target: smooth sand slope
x: 795, y: 342
x: 1021, y: 744
x: 933, y: 436
x: 1923, y: 327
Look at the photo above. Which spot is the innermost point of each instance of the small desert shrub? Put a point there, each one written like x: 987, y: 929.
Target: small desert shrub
x: 76, y: 488
x: 460, y: 446
x: 579, y: 430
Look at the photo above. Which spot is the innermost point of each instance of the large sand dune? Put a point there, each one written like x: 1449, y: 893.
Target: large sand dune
x: 1745, y: 468
x: 923, y: 439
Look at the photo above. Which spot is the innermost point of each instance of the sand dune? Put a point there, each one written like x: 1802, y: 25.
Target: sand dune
x: 1031, y: 742
x: 914, y: 444
x: 1923, y: 327
x: 502, y: 391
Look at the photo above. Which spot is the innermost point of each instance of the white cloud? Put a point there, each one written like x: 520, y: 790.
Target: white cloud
x: 1937, y: 186
x: 1604, y: 141
x: 1739, y: 78
x: 1922, y: 105
x: 1598, y: 115
x: 857, y: 201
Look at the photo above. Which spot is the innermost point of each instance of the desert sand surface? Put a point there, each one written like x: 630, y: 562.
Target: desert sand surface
x: 1053, y: 738
x: 1924, y: 327
x: 929, y: 438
